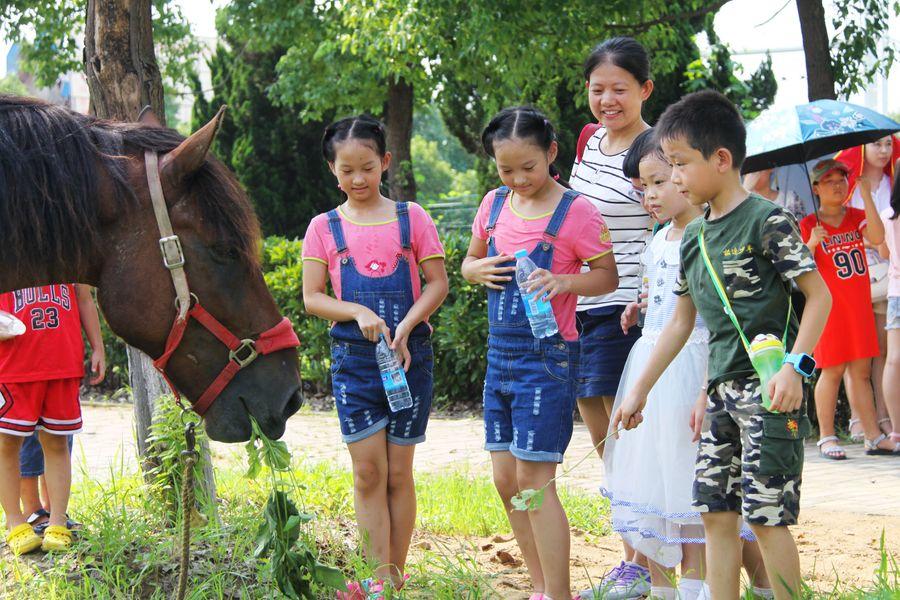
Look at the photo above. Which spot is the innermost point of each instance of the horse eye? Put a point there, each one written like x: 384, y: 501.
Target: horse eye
x: 222, y: 253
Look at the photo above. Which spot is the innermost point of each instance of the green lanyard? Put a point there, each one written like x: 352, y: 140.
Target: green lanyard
x: 720, y: 289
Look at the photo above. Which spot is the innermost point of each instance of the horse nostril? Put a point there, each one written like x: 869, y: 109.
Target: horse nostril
x: 293, y: 404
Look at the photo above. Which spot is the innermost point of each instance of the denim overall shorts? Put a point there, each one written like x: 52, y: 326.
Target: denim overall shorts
x: 529, y: 388
x: 359, y: 396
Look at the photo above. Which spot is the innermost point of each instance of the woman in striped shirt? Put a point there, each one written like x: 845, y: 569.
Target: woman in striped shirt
x: 617, y: 75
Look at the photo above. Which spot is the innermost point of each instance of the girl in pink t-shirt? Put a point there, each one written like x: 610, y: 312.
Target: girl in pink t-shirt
x: 529, y: 388
x: 372, y: 250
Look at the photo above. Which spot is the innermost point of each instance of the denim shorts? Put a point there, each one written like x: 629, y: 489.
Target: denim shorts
x: 604, y: 350
x: 31, y: 456
x: 359, y: 396
x: 529, y: 397
x: 893, y: 313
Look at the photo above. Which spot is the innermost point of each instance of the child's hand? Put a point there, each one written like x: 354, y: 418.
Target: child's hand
x: 628, y: 415
x: 696, y: 423
x: 371, y: 325
x: 786, y: 390
x: 865, y: 187
x: 486, y: 272
x: 630, y: 316
x: 98, y: 365
x: 817, y: 235
x: 547, y: 285
x: 401, y: 335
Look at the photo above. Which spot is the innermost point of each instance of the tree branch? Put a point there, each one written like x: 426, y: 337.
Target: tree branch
x: 634, y: 28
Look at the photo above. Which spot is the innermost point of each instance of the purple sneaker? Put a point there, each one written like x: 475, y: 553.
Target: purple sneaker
x: 628, y: 580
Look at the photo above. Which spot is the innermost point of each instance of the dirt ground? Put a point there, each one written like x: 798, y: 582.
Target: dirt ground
x: 833, y: 547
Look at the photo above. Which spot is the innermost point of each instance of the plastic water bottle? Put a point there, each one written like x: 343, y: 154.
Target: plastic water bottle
x: 767, y: 356
x: 539, y: 312
x: 393, y: 377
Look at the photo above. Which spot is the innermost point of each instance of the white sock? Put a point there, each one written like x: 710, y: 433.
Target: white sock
x: 767, y: 593
x: 689, y: 589
x: 663, y: 593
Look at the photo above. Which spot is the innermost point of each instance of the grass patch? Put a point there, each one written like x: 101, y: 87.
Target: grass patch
x: 128, y: 548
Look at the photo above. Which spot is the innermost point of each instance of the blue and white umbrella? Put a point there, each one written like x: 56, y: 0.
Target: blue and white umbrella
x: 800, y: 133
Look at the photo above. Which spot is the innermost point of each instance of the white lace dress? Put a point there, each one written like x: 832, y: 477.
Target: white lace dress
x: 650, y: 469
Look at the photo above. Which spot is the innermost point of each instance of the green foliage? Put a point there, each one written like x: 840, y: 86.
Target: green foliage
x: 166, y: 443
x: 721, y: 73
x: 861, y: 46
x: 11, y: 85
x: 51, y: 34
x: 274, y: 154
x: 434, y: 176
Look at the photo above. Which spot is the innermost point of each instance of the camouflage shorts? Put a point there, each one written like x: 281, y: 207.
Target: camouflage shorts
x: 749, y: 460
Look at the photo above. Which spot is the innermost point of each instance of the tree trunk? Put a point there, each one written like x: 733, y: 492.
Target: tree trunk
x: 399, y: 121
x: 123, y: 77
x: 819, y: 71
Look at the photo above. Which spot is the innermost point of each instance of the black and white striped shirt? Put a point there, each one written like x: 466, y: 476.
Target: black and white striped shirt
x: 599, y: 178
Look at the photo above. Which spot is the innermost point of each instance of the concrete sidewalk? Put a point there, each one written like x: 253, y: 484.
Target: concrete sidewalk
x: 861, y: 484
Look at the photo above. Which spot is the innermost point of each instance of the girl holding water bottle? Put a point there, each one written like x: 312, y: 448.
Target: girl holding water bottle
x: 529, y: 390
x: 372, y: 250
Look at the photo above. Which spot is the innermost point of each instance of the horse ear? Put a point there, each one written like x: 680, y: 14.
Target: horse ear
x: 186, y: 158
x: 148, y: 117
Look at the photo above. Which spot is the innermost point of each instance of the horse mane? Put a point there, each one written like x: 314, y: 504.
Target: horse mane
x: 52, y: 165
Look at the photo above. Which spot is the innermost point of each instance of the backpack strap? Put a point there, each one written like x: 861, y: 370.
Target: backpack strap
x: 586, y: 133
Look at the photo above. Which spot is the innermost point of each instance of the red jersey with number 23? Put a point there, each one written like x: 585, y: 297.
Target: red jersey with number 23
x: 841, y: 259
x: 51, y: 347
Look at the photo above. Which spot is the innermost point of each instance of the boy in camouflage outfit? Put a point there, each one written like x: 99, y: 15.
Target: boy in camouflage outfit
x: 750, y: 460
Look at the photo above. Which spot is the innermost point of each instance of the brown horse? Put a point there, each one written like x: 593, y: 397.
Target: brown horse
x: 75, y: 207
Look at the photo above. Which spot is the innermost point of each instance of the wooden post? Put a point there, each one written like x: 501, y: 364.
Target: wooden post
x: 123, y: 77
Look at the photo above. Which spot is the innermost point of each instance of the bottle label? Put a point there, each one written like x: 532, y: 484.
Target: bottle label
x: 535, y: 307
x: 393, y: 381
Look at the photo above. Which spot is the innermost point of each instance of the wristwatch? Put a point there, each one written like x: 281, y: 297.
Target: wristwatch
x: 802, y: 363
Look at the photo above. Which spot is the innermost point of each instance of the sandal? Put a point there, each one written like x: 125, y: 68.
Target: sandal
x: 56, y: 539
x: 872, y: 448
x: 39, y: 529
x: 832, y: 452
x: 857, y: 437
x: 22, y: 539
x: 885, y: 420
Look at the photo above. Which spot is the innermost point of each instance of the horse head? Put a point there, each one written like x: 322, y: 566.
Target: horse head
x: 220, y: 240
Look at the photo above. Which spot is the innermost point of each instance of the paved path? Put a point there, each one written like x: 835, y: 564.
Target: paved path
x: 861, y: 484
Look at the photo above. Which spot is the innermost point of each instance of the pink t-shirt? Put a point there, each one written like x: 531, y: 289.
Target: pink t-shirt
x: 892, y: 239
x: 373, y: 246
x: 582, y: 238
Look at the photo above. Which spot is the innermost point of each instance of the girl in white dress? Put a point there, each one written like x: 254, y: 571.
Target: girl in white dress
x: 650, y: 470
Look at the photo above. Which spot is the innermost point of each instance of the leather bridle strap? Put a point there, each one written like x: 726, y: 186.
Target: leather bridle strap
x: 169, y: 244
x: 241, y: 352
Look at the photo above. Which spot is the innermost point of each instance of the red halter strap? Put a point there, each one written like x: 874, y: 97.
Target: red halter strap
x: 241, y: 352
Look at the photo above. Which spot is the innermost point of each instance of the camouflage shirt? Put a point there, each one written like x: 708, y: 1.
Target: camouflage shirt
x: 756, y: 250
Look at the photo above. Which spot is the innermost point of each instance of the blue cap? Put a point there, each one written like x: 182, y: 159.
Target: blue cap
x: 521, y: 253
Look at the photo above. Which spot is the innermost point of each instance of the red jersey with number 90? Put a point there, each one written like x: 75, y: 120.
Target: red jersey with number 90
x: 841, y: 259
x: 51, y: 347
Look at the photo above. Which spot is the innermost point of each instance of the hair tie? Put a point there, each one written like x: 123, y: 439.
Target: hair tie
x: 556, y: 177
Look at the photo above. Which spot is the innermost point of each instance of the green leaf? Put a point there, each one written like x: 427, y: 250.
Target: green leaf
x: 329, y: 576
x: 528, y: 500
x: 255, y: 465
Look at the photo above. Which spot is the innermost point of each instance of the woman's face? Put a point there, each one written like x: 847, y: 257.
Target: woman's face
x: 615, y: 96
x: 878, y: 154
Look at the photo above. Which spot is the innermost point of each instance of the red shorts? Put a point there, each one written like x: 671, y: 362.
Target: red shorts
x: 49, y: 405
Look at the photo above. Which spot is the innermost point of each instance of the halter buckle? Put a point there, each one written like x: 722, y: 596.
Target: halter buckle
x: 173, y: 256
x: 248, y: 346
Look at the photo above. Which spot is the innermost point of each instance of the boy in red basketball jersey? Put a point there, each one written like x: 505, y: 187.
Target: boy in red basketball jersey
x: 40, y: 372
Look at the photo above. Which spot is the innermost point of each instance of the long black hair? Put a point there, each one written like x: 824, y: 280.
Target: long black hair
x: 625, y: 53
x: 895, y: 196
x: 524, y: 123
x: 361, y: 127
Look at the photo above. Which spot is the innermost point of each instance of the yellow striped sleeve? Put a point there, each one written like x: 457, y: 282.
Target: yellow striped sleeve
x: 593, y: 258
x: 316, y: 259
x: 421, y: 260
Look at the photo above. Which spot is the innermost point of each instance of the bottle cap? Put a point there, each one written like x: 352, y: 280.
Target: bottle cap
x: 521, y: 253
